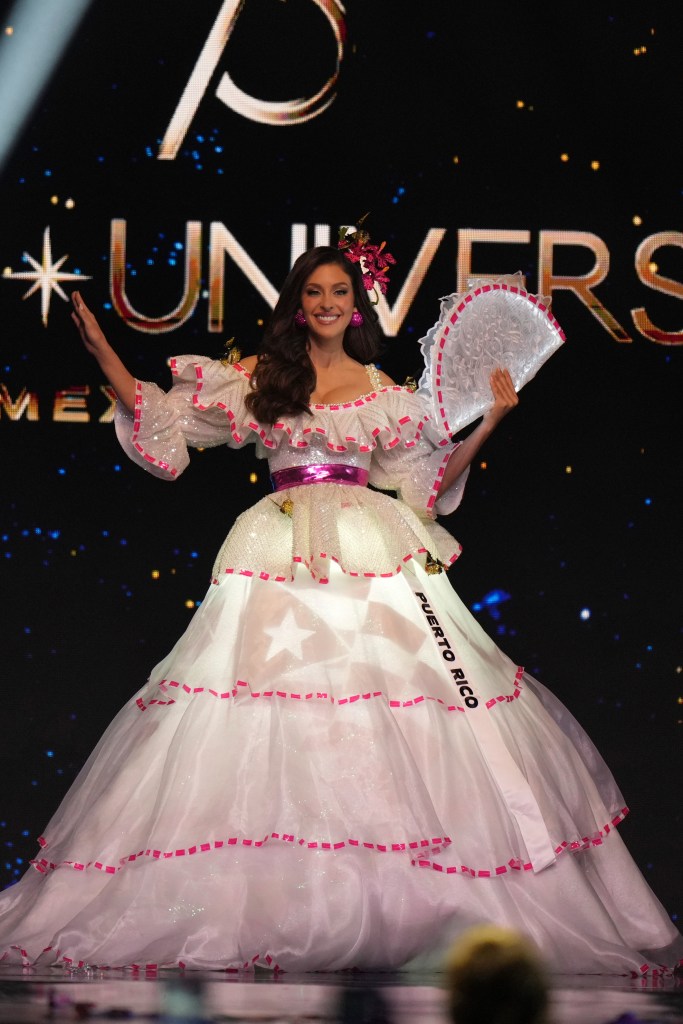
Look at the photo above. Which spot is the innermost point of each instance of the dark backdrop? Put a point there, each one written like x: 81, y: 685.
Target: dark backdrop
x: 446, y: 116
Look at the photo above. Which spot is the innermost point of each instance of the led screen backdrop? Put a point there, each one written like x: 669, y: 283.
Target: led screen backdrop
x: 176, y: 161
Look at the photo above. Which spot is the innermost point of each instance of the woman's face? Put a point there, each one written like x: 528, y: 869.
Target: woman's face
x: 327, y: 302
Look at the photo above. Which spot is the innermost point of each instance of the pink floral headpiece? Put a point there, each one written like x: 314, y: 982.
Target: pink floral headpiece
x: 374, y: 259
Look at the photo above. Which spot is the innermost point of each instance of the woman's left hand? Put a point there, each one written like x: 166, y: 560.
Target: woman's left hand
x: 505, y: 398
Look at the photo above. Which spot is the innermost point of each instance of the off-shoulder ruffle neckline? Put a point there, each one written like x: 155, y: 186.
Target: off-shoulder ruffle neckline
x: 386, y: 417
x: 367, y: 396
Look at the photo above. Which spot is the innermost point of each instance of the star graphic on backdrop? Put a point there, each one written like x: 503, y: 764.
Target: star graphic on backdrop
x: 287, y: 636
x: 45, y: 276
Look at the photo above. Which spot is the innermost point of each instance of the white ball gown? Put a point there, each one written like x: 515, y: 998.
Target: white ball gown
x: 335, y: 766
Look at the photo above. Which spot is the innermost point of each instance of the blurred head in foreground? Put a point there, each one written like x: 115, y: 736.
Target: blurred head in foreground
x: 494, y: 976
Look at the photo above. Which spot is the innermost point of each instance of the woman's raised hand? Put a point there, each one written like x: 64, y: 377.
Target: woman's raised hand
x: 505, y: 398
x: 97, y: 345
x: 88, y: 327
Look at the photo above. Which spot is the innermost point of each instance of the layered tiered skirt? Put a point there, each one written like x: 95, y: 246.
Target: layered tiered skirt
x: 327, y: 776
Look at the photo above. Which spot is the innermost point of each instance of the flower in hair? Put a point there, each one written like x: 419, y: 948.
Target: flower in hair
x: 374, y: 260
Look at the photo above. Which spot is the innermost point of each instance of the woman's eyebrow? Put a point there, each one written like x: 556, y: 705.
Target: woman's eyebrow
x: 339, y: 284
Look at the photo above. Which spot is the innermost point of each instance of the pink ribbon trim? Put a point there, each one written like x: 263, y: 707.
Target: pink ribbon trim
x: 660, y: 971
x: 281, y: 427
x: 575, y: 846
x: 308, y: 563
x: 514, y: 864
x: 169, y: 684
x: 137, y: 424
x: 439, y: 477
x: 149, y: 968
x: 43, y: 865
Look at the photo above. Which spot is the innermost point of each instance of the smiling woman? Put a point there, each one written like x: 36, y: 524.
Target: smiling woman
x: 335, y: 766
x: 315, y: 350
x: 327, y: 302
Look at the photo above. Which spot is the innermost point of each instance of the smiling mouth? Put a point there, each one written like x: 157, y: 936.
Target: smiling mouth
x: 327, y: 318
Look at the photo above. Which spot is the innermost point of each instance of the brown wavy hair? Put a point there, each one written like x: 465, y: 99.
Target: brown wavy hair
x: 284, y: 378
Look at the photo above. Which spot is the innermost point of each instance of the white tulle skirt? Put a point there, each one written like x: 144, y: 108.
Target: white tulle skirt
x: 326, y: 776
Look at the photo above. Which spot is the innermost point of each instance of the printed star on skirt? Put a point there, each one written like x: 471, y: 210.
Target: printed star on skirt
x: 287, y: 636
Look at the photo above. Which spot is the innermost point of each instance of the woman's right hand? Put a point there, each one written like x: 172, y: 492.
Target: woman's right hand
x: 97, y: 345
x: 88, y: 327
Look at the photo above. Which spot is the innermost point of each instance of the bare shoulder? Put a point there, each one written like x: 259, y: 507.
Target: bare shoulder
x: 248, y: 363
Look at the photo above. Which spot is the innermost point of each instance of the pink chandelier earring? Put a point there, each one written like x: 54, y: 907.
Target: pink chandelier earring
x: 299, y: 319
x: 357, y: 319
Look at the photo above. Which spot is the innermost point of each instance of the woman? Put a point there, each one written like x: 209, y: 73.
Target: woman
x: 335, y: 766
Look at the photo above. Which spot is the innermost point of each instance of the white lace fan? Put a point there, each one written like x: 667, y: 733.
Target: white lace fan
x: 493, y: 324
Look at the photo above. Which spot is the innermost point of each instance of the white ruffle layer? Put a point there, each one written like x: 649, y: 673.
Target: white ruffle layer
x: 206, y: 407
x: 364, y: 532
x: 297, y: 909
x: 310, y: 780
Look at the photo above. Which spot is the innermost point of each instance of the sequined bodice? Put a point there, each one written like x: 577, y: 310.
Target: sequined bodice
x: 317, y: 451
x: 315, y: 454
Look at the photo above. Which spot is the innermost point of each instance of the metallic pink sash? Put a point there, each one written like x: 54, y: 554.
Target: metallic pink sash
x: 297, y: 476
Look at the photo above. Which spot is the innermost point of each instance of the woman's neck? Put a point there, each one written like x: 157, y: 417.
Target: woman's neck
x: 328, y: 354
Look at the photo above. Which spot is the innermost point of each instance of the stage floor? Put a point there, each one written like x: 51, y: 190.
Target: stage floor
x: 411, y: 998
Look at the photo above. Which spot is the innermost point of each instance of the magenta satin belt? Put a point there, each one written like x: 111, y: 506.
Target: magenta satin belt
x: 296, y: 476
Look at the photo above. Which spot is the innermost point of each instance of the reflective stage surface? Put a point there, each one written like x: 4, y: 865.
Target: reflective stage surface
x: 400, y: 997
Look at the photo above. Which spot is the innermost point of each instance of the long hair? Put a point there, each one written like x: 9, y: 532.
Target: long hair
x: 284, y: 377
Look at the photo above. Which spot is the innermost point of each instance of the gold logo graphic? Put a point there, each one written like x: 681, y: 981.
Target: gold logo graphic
x: 287, y: 112
x: 45, y: 276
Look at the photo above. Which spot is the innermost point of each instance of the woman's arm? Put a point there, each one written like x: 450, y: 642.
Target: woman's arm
x: 504, y: 400
x: 97, y: 345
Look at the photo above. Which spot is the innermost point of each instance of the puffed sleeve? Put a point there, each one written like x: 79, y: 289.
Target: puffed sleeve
x: 414, y: 462
x: 204, y: 408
